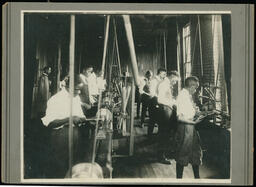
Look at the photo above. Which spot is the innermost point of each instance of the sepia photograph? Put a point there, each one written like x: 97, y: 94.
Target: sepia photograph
x: 126, y: 96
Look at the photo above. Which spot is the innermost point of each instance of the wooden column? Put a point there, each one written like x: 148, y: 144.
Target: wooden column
x: 117, y: 49
x: 165, y: 60
x: 71, y: 89
x: 131, y: 146
x: 179, y: 60
x: 59, y: 65
x: 129, y: 35
x: 201, y: 55
x: 105, y: 44
x: 100, y: 96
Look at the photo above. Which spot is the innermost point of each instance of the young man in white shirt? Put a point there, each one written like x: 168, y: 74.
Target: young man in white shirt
x: 145, y: 89
x: 88, y: 91
x: 152, y: 103
x: 88, y: 78
x: 57, y: 121
x: 167, y: 114
x: 188, y: 148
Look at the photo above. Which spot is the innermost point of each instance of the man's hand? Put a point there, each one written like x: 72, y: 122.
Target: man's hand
x: 77, y: 120
x: 198, y: 120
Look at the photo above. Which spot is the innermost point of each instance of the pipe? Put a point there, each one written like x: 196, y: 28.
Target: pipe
x: 100, y: 96
x: 105, y: 45
x: 129, y: 35
x: 201, y: 55
x: 117, y: 49
x: 165, y: 60
x: 71, y: 87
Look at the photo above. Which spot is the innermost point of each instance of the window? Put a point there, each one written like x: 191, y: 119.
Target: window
x: 186, y: 51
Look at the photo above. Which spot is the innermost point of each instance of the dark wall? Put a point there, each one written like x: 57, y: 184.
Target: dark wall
x: 171, y: 47
x: 226, y: 26
x: 29, y: 65
x: 42, y: 36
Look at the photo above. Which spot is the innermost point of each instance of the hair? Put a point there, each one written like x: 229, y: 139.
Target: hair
x: 148, y: 73
x: 173, y: 73
x: 46, y: 68
x: 189, y: 80
x: 161, y: 70
x: 87, y: 67
x: 77, y: 80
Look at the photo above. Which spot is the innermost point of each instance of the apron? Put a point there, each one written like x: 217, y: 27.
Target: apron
x: 188, y: 148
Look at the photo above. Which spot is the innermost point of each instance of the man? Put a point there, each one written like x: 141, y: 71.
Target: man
x: 87, y: 98
x: 146, y: 90
x: 88, y: 78
x: 138, y: 96
x: 57, y: 121
x: 43, y: 93
x: 101, y: 82
x: 153, y: 104
x: 187, y: 138
x: 167, y: 115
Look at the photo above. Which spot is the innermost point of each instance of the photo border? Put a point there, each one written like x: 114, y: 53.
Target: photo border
x: 238, y: 54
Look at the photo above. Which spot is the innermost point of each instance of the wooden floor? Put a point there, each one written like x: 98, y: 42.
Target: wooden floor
x: 143, y: 163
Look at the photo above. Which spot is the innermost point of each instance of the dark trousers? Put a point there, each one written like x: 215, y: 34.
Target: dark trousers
x: 145, y: 100
x: 153, y: 115
x: 138, y: 100
x: 180, y: 168
x: 166, y: 126
x: 59, y: 149
x: 90, y: 112
x: 149, y: 104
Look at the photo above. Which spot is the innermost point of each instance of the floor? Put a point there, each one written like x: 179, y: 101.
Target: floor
x: 143, y: 163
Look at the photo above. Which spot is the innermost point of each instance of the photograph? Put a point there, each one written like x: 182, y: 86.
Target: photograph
x: 126, y: 96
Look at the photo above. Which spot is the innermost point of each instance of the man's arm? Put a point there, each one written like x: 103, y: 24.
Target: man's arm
x: 181, y: 118
x: 60, y: 122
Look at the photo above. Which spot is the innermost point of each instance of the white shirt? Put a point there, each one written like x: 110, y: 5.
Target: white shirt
x: 92, y: 84
x: 83, y: 78
x: 101, y: 83
x: 185, y: 105
x: 58, y: 107
x: 165, y: 96
x: 154, y: 85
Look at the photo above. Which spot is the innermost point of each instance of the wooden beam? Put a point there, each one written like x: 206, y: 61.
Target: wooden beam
x: 178, y: 54
x: 165, y: 60
x: 201, y: 55
x: 129, y: 35
x: 117, y: 49
x: 59, y: 65
x: 105, y: 44
x: 71, y: 88
x: 100, y: 96
x: 131, y: 147
x: 200, y: 45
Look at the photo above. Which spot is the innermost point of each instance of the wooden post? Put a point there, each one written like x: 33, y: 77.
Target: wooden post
x: 129, y: 35
x: 112, y: 62
x: 105, y: 44
x: 131, y: 147
x: 178, y: 54
x: 165, y: 60
x: 58, y: 73
x: 100, y: 96
x: 201, y: 55
x: 117, y: 49
x: 71, y: 88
